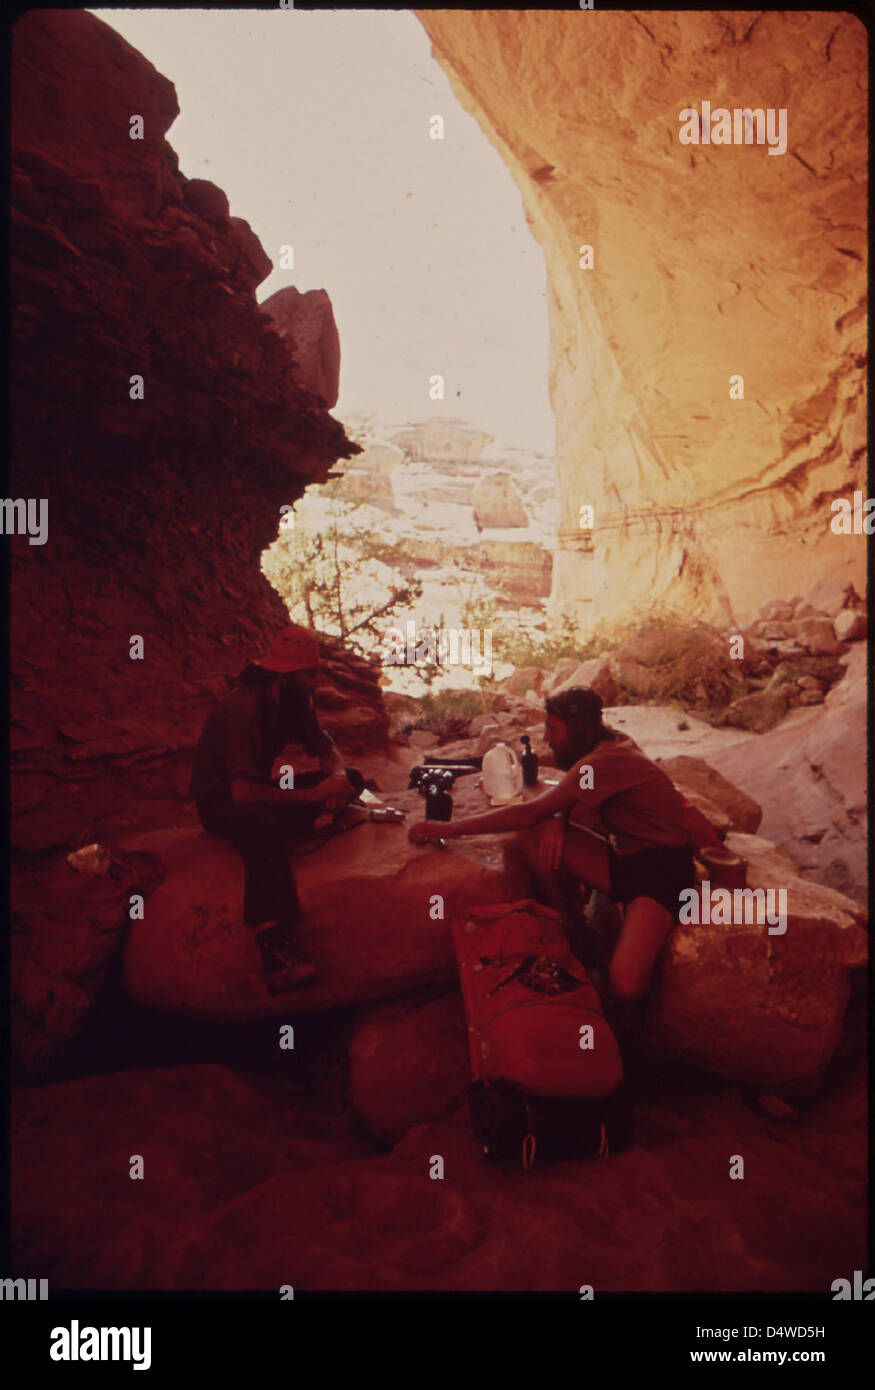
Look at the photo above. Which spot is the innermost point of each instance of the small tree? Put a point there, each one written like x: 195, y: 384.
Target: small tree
x: 326, y: 567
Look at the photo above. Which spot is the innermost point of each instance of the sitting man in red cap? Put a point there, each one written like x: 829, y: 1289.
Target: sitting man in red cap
x: 271, y: 707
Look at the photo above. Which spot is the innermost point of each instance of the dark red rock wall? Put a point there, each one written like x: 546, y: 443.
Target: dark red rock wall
x: 158, y: 508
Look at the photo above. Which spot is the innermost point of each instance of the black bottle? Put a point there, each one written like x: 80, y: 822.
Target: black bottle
x: 528, y: 762
x: 438, y: 802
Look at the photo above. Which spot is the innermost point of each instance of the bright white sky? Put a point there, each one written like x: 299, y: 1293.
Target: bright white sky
x: 316, y: 127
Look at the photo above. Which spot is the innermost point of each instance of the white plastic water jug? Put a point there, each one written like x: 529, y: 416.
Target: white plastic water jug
x: 502, y: 774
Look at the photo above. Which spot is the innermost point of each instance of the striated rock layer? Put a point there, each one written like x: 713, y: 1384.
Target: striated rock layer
x: 158, y: 508
x: 708, y: 261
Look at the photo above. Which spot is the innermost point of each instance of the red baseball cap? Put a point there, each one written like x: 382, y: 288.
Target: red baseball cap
x: 293, y: 649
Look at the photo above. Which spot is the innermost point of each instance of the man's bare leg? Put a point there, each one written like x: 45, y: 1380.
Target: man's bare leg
x: 584, y: 861
x: 646, y: 924
x: 586, y: 856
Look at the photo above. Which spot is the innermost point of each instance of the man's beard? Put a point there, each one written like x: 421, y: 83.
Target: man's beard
x: 578, y: 744
x: 294, y: 703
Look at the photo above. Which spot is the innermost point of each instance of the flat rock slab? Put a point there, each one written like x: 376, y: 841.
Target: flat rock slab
x: 243, y: 1189
x: 366, y: 893
x: 206, y: 1133
x: 758, y: 1008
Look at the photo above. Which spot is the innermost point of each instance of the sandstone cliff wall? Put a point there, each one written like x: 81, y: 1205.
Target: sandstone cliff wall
x: 158, y: 508
x: 708, y: 261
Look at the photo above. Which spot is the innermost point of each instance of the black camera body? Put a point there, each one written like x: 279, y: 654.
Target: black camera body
x: 434, y: 780
x: 435, y: 784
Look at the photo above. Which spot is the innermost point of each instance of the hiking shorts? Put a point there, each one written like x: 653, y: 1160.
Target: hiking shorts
x: 661, y: 873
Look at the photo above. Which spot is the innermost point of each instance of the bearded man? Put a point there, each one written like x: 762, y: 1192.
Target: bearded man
x: 643, y: 862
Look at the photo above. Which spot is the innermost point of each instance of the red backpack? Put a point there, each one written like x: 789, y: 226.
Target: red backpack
x: 544, y: 1060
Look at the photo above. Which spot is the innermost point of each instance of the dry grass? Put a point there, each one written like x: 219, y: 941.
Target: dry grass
x: 447, y: 714
x: 683, y: 661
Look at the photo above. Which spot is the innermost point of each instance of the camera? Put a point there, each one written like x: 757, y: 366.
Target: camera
x: 431, y: 780
x: 436, y: 786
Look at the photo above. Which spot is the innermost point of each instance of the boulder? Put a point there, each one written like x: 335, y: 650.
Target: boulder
x: 408, y: 1064
x: 523, y: 679
x: 366, y: 893
x: 800, y: 669
x: 784, y: 680
x: 755, y: 1008
x: 562, y: 671
x: 757, y: 712
x: 490, y: 733
x: 422, y: 738
x: 631, y: 676
x: 816, y: 635
x: 479, y: 723
x: 809, y: 775
x: 498, y: 503
x: 597, y: 674
x: 695, y: 774
x: 792, y: 647
x: 850, y: 625
x: 75, y: 931
x: 709, y: 809
x: 830, y: 596
x: 771, y: 630
x: 776, y: 608
x: 306, y: 321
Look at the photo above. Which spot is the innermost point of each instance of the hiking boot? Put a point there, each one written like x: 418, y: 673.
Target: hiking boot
x: 283, y: 970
